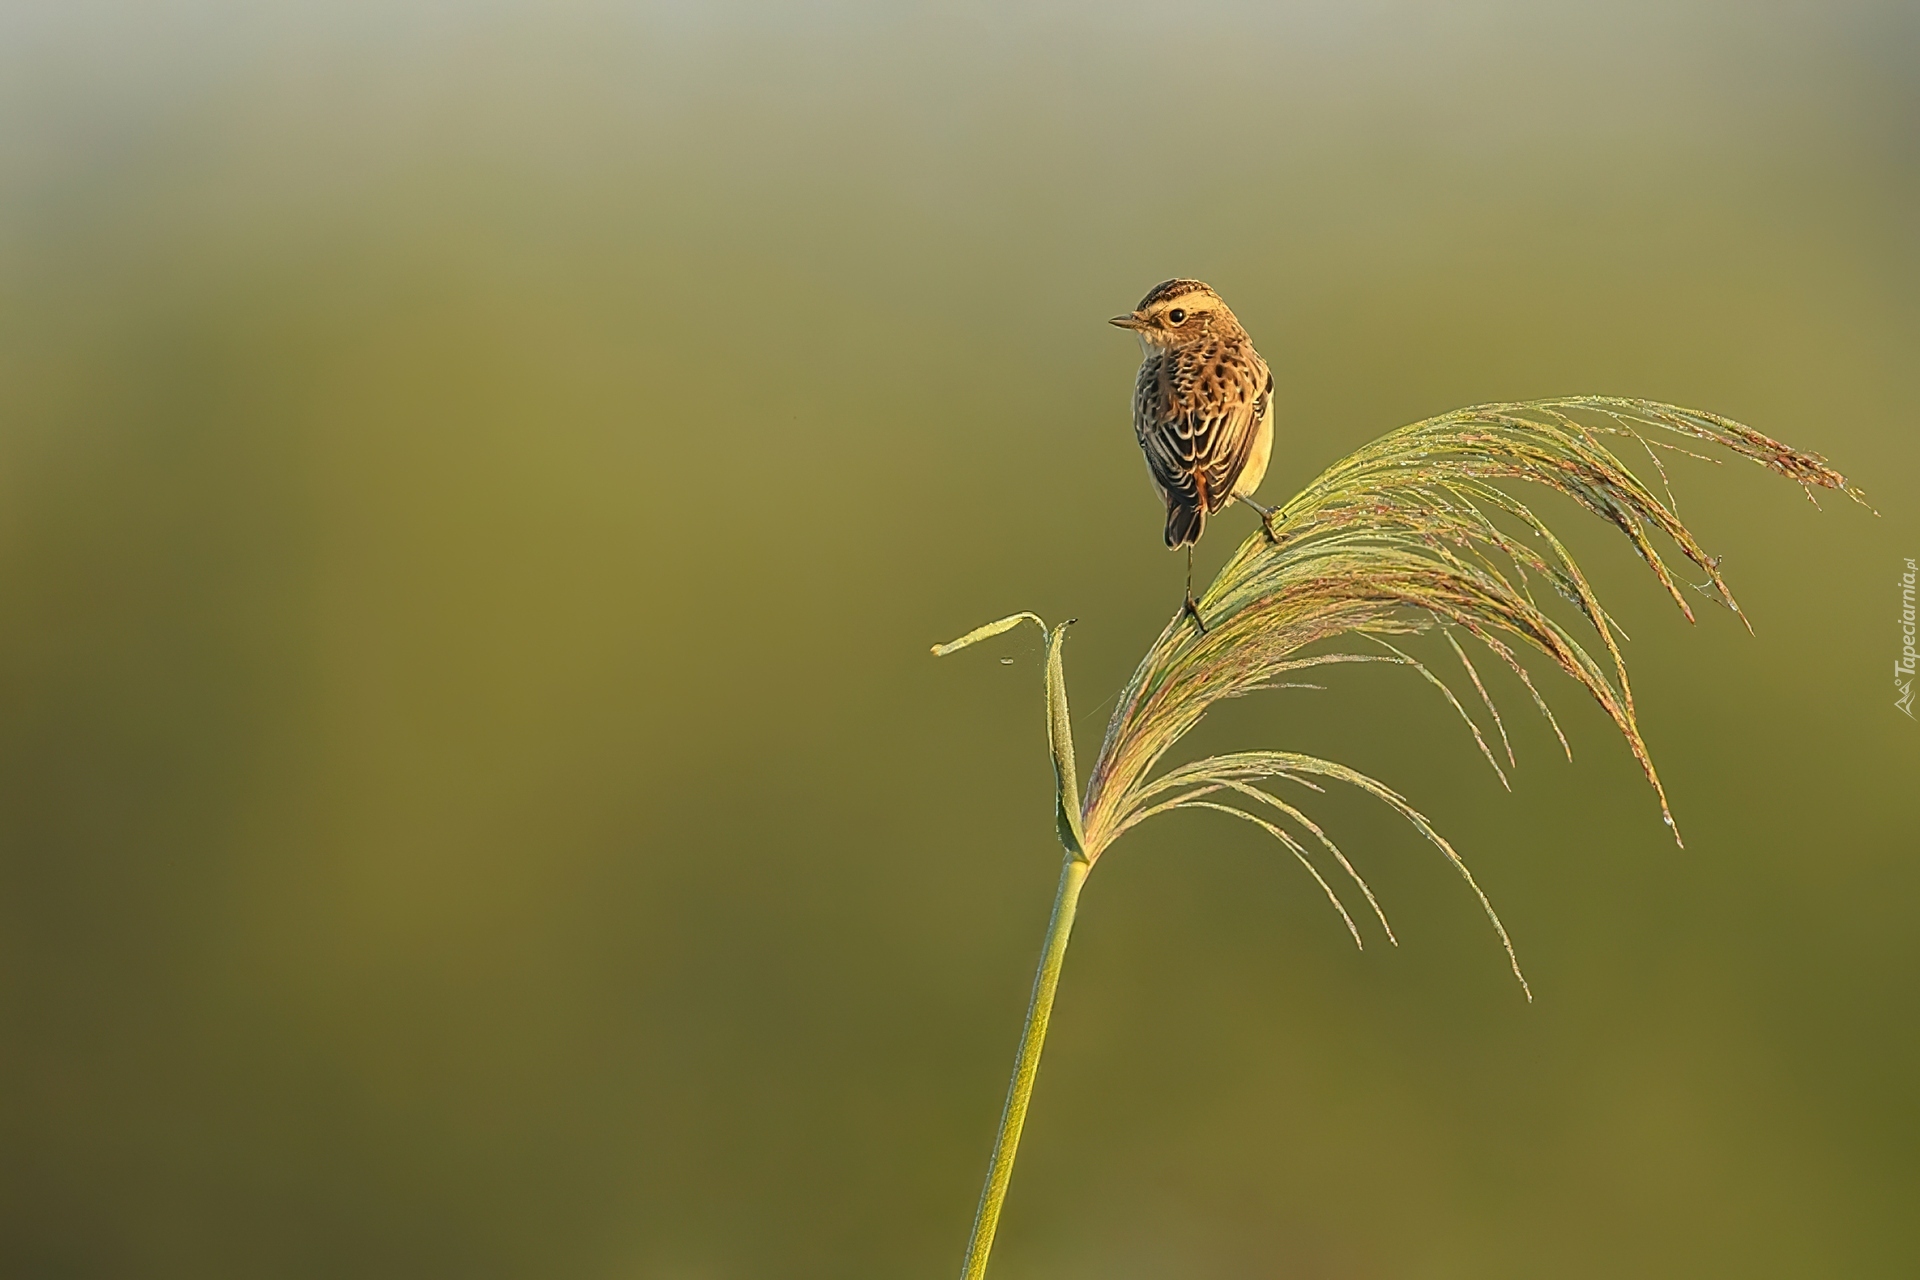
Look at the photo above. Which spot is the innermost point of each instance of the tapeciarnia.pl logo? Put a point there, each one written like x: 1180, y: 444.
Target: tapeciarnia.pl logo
x: 1903, y: 667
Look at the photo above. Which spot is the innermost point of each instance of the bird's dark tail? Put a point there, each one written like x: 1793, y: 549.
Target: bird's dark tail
x: 1184, y: 524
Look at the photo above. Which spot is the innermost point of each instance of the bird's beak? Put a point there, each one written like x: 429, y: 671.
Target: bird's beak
x: 1131, y: 320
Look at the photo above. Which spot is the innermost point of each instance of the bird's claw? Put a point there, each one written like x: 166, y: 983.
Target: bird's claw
x: 1192, y: 610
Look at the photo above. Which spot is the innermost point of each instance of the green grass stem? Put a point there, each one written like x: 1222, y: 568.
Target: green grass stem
x: 1073, y: 874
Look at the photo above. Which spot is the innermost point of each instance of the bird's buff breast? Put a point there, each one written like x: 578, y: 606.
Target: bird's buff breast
x: 1256, y: 469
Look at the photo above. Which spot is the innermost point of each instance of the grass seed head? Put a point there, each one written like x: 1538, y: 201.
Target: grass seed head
x: 1414, y: 532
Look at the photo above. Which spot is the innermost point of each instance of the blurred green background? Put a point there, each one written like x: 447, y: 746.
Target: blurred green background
x: 477, y: 486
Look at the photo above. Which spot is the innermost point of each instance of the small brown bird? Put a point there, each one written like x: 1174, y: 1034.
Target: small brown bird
x: 1202, y: 409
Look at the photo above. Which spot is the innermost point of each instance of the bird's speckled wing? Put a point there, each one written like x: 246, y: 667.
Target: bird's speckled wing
x: 1196, y: 412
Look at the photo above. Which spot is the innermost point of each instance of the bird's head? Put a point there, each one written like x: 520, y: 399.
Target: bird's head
x: 1178, y: 312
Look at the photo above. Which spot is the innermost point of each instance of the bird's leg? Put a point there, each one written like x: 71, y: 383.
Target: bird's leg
x: 1266, y: 517
x: 1191, y: 609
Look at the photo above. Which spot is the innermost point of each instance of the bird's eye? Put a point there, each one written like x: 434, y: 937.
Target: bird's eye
x: 1178, y: 315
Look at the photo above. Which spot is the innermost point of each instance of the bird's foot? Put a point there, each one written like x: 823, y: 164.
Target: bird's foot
x: 1192, y: 610
x: 1266, y: 515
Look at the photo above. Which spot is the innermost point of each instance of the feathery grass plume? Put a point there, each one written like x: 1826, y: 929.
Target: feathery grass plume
x: 1411, y: 533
